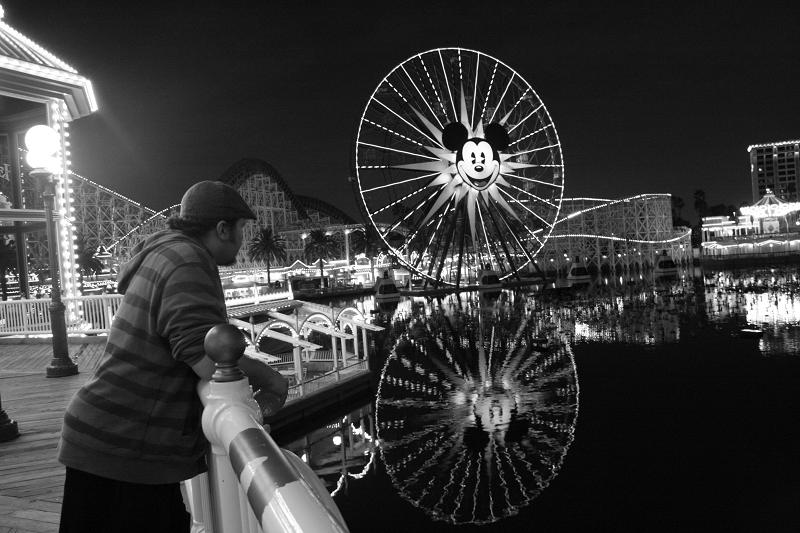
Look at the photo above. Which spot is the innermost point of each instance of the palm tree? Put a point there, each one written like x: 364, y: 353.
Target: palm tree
x: 267, y: 246
x: 365, y: 240
x: 700, y: 203
x: 322, y: 246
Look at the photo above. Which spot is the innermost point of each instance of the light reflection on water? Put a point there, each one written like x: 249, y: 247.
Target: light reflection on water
x: 474, y: 415
x: 766, y: 299
x: 477, y: 400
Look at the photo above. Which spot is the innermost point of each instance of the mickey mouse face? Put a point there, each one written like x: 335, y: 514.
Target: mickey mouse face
x: 476, y: 163
x: 478, y: 160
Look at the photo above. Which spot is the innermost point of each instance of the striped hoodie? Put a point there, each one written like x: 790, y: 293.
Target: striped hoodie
x: 138, y: 418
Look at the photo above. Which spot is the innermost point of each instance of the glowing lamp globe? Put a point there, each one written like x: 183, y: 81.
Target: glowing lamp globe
x: 43, y: 143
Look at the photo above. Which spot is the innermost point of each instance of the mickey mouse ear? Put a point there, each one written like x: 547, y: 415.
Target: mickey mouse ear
x: 454, y: 136
x: 497, y: 136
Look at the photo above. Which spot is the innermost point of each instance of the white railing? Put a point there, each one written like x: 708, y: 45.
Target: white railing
x: 252, y: 485
x: 314, y: 384
x: 84, y: 314
x: 270, y: 296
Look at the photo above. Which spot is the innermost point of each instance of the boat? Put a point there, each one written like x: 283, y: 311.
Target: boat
x: 578, y: 273
x: 488, y: 280
x: 386, y: 289
x: 665, y: 266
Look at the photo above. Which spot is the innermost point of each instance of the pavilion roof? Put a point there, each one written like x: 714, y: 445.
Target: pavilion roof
x: 29, y: 71
x: 770, y: 206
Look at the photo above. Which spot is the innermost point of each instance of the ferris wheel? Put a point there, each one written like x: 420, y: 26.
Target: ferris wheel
x: 459, y: 166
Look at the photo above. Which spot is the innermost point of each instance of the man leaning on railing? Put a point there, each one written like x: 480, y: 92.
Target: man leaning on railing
x: 133, y: 432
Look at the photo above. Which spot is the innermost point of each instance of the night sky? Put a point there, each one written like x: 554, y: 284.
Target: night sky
x: 644, y: 99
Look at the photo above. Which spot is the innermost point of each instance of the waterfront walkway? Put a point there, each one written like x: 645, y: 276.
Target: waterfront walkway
x: 31, y: 479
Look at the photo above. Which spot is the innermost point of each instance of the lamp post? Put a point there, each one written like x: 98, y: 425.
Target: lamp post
x: 43, y: 144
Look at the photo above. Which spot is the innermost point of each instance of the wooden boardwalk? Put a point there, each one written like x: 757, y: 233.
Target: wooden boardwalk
x: 31, y: 479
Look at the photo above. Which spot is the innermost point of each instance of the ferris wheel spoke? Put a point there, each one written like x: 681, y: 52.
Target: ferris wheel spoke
x: 397, y: 222
x: 449, y: 92
x: 502, y: 97
x: 396, y: 183
x: 397, y: 150
x: 448, y: 235
x: 407, y: 123
x: 491, y: 244
x: 537, y: 108
x: 433, y: 86
x: 540, y: 182
x: 542, y: 200
x: 504, y: 120
x: 425, y: 100
x: 475, y: 88
x: 531, y: 134
x: 537, y: 216
x: 489, y: 91
x: 393, y: 132
x: 392, y: 204
x: 539, y: 149
x: 516, y: 201
x: 499, y: 231
x: 520, y: 245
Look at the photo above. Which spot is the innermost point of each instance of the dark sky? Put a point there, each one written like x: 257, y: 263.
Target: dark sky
x: 645, y: 99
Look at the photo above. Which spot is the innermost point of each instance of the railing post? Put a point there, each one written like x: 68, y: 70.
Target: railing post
x: 354, y: 329
x: 252, y: 481
x: 298, y: 368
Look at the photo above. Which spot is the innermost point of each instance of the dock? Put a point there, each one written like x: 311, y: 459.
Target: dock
x: 31, y: 478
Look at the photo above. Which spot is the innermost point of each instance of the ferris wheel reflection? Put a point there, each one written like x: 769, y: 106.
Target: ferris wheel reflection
x: 474, y: 414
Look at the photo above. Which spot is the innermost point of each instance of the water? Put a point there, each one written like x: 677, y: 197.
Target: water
x: 623, y: 405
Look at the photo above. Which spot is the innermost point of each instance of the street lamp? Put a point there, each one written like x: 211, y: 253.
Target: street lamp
x: 43, y: 144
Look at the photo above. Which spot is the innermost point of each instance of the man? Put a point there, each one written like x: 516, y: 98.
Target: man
x: 133, y: 431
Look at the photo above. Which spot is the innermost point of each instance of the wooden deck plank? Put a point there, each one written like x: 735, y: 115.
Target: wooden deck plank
x: 31, y: 479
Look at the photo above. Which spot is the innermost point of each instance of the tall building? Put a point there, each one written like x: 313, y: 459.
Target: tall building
x: 775, y: 166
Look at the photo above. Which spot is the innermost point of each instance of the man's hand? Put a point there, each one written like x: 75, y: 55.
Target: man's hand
x: 270, y: 387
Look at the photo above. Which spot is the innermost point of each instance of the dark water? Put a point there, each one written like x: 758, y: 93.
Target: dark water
x: 624, y: 405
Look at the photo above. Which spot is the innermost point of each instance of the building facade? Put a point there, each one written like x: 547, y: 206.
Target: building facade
x: 768, y: 229
x: 775, y: 167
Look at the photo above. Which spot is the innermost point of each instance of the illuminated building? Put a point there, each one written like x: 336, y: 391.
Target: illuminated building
x: 768, y: 228
x: 776, y: 167
x: 38, y: 88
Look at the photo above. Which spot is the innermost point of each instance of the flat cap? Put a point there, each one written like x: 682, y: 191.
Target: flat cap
x: 214, y: 201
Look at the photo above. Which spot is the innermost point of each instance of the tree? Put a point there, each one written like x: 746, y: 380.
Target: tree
x: 366, y: 241
x: 700, y: 204
x: 677, y: 206
x: 267, y: 246
x: 320, y: 246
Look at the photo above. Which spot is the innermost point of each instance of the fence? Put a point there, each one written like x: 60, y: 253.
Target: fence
x: 84, y: 314
x: 315, y: 384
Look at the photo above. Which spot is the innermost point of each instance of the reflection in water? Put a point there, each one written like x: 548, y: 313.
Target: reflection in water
x: 478, y: 397
x: 475, y: 414
x: 767, y: 299
x: 341, y: 450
